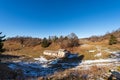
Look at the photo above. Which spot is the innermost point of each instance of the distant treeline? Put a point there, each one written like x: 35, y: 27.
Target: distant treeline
x: 70, y: 40
x: 115, y: 33
x: 26, y: 41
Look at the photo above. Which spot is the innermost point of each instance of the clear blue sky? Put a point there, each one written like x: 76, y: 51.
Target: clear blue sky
x: 41, y: 18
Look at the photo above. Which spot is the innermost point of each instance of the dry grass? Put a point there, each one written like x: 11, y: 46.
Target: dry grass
x: 93, y: 73
x: 15, y: 48
x: 118, y: 68
x: 12, y: 46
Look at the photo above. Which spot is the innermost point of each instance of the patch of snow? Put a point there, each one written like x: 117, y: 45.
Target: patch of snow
x: 17, y: 61
x: 41, y: 59
x: 54, y: 61
x: 100, y: 61
x: 98, y: 55
x: 103, y: 64
x: 44, y: 67
x: 12, y: 66
x: 115, y: 54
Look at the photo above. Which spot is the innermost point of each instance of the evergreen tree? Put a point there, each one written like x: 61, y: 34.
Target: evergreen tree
x: 1, y: 42
x: 113, y: 40
x: 45, y: 43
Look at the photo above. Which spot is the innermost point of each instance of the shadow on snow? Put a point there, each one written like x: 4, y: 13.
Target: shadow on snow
x: 45, y: 67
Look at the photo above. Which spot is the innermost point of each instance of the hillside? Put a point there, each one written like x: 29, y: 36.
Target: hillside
x: 31, y: 47
x: 116, y: 33
x: 24, y: 59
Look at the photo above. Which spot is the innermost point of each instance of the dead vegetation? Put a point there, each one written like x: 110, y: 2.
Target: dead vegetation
x: 93, y: 73
x: 32, y: 46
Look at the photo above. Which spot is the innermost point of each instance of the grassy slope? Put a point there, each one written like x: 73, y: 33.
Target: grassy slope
x: 36, y: 51
x: 15, y: 48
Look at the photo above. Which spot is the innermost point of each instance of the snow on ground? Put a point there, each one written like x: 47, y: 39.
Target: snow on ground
x: 55, y: 61
x: 100, y: 61
x: 41, y: 59
x: 12, y: 66
x: 43, y: 67
x: 85, y: 65
x: 98, y: 55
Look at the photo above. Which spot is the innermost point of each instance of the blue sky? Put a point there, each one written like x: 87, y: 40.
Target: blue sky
x: 41, y: 18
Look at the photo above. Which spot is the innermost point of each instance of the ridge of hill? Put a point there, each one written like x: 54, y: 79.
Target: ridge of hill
x: 106, y: 36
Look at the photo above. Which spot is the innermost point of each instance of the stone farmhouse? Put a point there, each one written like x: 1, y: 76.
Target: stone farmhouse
x: 59, y: 53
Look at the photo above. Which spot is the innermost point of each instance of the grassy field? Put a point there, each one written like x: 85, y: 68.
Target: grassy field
x: 14, y: 48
